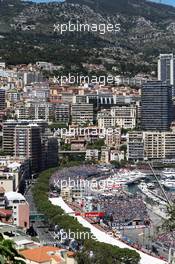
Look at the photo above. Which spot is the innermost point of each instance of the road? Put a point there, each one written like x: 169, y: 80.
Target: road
x: 44, y: 236
x: 145, y: 236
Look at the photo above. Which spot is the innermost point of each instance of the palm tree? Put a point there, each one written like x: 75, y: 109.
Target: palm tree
x: 8, y: 253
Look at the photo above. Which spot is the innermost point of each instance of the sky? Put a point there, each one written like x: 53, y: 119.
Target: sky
x: 170, y: 2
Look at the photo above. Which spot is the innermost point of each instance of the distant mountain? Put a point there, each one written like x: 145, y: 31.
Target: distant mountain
x: 27, y: 33
x: 129, y: 7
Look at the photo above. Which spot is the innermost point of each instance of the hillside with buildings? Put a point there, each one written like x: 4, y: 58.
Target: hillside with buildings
x: 146, y: 29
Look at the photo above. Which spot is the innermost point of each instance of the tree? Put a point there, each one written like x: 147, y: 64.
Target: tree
x: 169, y: 223
x: 102, y: 253
x: 8, y: 252
x: 95, y: 253
x: 115, y: 163
x: 97, y: 144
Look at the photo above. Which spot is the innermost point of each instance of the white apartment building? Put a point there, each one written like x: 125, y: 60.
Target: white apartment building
x: 13, y: 172
x: 116, y: 155
x: 34, y: 110
x: 20, y: 207
x: 113, y: 139
x: 166, y: 68
x: 118, y: 116
x: 125, y: 116
x: 2, y: 65
x: 8, y: 181
x: 105, y: 119
x: 159, y: 145
x: 92, y: 154
x: 105, y: 155
x: 22, y: 112
x: 150, y: 145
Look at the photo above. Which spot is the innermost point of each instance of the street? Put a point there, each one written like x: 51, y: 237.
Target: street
x: 44, y: 236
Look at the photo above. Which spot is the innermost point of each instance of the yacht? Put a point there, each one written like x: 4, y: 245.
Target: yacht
x: 150, y: 194
x: 135, y: 176
x: 169, y: 184
x: 150, y: 185
x: 116, y: 181
x: 123, y: 177
x: 168, y: 172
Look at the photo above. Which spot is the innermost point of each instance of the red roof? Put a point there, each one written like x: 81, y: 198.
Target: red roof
x: 42, y: 254
x: 4, y: 212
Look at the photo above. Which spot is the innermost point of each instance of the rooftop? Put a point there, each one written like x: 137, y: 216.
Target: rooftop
x: 43, y: 254
x: 14, y: 196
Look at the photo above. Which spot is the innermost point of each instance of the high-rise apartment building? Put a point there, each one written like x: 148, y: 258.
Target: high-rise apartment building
x: 49, y: 152
x: 135, y: 146
x: 166, y: 68
x: 2, y: 99
x: 8, y: 136
x: 27, y: 143
x: 9, y: 129
x: 156, y: 101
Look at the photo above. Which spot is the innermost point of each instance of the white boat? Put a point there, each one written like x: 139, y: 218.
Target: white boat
x: 109, y: 184
x: 168, y: 172
x: 115, y: 181
x: 150, y: 186
x: 169, y: 184
x: 129, y: 176
x: 150, y: 194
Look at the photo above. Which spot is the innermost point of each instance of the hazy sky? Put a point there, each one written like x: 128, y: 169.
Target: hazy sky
x: 171, y: 2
